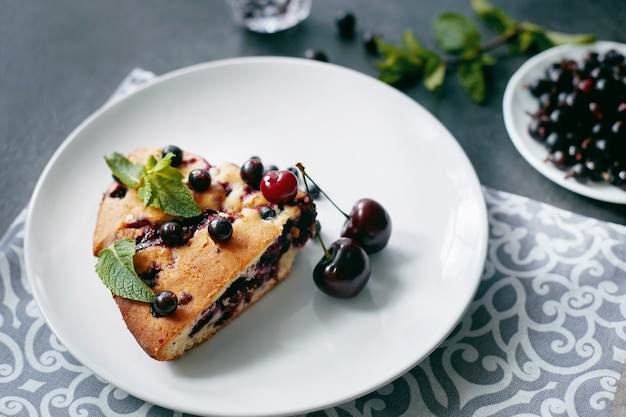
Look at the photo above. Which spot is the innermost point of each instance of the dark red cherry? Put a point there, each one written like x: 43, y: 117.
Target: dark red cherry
x: 164, y: 304
x: 280, y: 186
x: 344, y: 271
x: 220, y: 229
x: 369, y: 224
x: 200, y: 179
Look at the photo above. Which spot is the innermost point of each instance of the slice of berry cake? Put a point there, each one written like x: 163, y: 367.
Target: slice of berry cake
x: 200, y: 266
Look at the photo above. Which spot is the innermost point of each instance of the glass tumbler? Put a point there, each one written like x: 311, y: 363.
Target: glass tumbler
x: 269, y: 16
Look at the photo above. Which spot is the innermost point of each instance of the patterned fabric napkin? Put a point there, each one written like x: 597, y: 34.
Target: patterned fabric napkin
x: 544, y: 336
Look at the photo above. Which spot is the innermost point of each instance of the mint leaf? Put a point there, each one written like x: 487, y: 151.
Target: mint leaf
x: 116, y: 270
x: 493, y: 17
x: 163, y: 188
x: 434, y: 73
x: 472, y: 79
x: 403, y: 64
x: 158, y: 183
x: 560, y: 38
x: 170, y: 195
x: 127, y: 172
x: 456, y: 33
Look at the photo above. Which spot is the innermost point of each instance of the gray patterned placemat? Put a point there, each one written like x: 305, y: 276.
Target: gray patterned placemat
x: 544, y: 336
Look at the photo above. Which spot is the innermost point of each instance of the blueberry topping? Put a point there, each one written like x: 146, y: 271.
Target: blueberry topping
x: 118, y: 192
x: 314, y: 191
x: 200, y: 179
x: 220, y: 229
x: 267, y: 213
x: 164, y: 304
x: 295, y: 171
x: 178, y: 154
x: 271, y: 168
x: 172, y: 233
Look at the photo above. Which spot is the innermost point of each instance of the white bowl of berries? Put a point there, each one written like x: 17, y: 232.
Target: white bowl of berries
x: 565, y: 112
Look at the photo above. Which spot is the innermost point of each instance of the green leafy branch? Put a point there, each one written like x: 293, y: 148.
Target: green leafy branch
x: 460, y: 40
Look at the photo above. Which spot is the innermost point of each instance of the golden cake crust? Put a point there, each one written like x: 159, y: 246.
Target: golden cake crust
x: 199, y: 271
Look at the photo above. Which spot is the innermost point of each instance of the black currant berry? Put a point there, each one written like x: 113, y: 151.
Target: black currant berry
x: 200, y: 179
x: 370, y: 42
x: 267, y: 213
x: 251, y: 172
x: 315, y: 55
x: 220, y: 229
x: 539, y: 87
x: 172, y: 233
x: 178, y: 154
x: 314, y: 191
x: 164, y: 304
x: 346, y: 22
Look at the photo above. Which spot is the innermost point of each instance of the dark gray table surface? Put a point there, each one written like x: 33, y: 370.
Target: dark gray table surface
x: 60, y: 60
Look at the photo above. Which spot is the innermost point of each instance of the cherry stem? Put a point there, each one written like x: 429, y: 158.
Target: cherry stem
x: 305, y: 176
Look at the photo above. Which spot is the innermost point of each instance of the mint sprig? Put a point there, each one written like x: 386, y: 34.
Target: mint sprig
x: 463, y: 49
x: 158, y: 184
x: 116, y: 270
x: 127, y: 172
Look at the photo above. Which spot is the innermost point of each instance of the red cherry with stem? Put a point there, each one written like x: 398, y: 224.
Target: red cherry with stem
x: 369, y: 224
x: 344, y: 269
x: 279, y: 186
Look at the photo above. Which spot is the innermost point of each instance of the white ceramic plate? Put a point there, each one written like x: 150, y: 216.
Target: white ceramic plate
x: 296, y: 350
x: 518, y: 103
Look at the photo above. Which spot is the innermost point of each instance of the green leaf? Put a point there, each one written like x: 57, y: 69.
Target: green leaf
x: 158, y: 184
x: 170, y: 195
x: 472, y: 79
x: 493, y: 17
x: 405, y: 64
x: 124, y: 170
x: 400, y: 65
x: 411, y: 44
x: 434, y: 73
x: 533, y: 38
x: 560, y: 38
x: 163, y: 188
x: 116, y: 269
x: 456, y: 33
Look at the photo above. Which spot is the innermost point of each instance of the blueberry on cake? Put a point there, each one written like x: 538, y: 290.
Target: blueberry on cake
x: 186, y: 246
